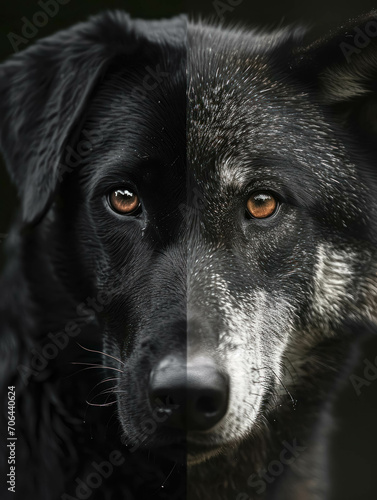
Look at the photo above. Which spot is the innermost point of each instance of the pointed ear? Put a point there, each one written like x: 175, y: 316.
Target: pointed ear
x: 44, y: 92
x: 342, y: 70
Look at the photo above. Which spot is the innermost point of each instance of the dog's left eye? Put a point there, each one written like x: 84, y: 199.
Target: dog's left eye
x: 262, y: 204
x: 124, y: 201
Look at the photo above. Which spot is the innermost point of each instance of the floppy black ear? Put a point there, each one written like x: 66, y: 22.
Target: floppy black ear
x: 342, y: 70
x: 44, y: 92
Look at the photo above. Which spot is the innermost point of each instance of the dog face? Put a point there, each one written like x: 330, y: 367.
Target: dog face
x: 268, y: 288
x: 222, y: 216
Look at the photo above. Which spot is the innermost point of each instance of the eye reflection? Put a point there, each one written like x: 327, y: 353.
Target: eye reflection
x: 124, y: 201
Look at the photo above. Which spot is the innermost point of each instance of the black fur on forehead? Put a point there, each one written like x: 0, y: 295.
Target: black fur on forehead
x: 236, y: 44
x: 322, y: 64
x: 45, y: 89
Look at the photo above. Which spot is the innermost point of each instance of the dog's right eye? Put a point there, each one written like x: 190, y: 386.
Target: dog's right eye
x: 262, y: 204
x: 124, y: 201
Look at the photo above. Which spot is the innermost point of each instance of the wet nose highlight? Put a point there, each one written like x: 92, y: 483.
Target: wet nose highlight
x: 193, y: 396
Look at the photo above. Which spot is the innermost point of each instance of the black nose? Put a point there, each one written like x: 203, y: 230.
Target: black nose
x: 192, y: 396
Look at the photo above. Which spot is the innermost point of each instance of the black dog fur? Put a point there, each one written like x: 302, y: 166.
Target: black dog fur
x: 109, y: 103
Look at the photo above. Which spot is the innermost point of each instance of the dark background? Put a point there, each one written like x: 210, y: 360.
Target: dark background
x: 353, y: 462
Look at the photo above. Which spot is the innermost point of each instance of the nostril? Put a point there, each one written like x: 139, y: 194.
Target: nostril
x: 160, y: 403
x: 207, y: 405
x: 165, y: 402
x: 208, y: 396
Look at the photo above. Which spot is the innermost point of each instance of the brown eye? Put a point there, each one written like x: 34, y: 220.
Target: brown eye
x: 124, y: 201
x: 262, y: 204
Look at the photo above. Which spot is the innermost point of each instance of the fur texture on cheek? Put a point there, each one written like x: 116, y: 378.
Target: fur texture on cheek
x: 338, y: 291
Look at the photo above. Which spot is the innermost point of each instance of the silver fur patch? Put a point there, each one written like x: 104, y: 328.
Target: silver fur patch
x: 250, y: 348
x: 334, y: 275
